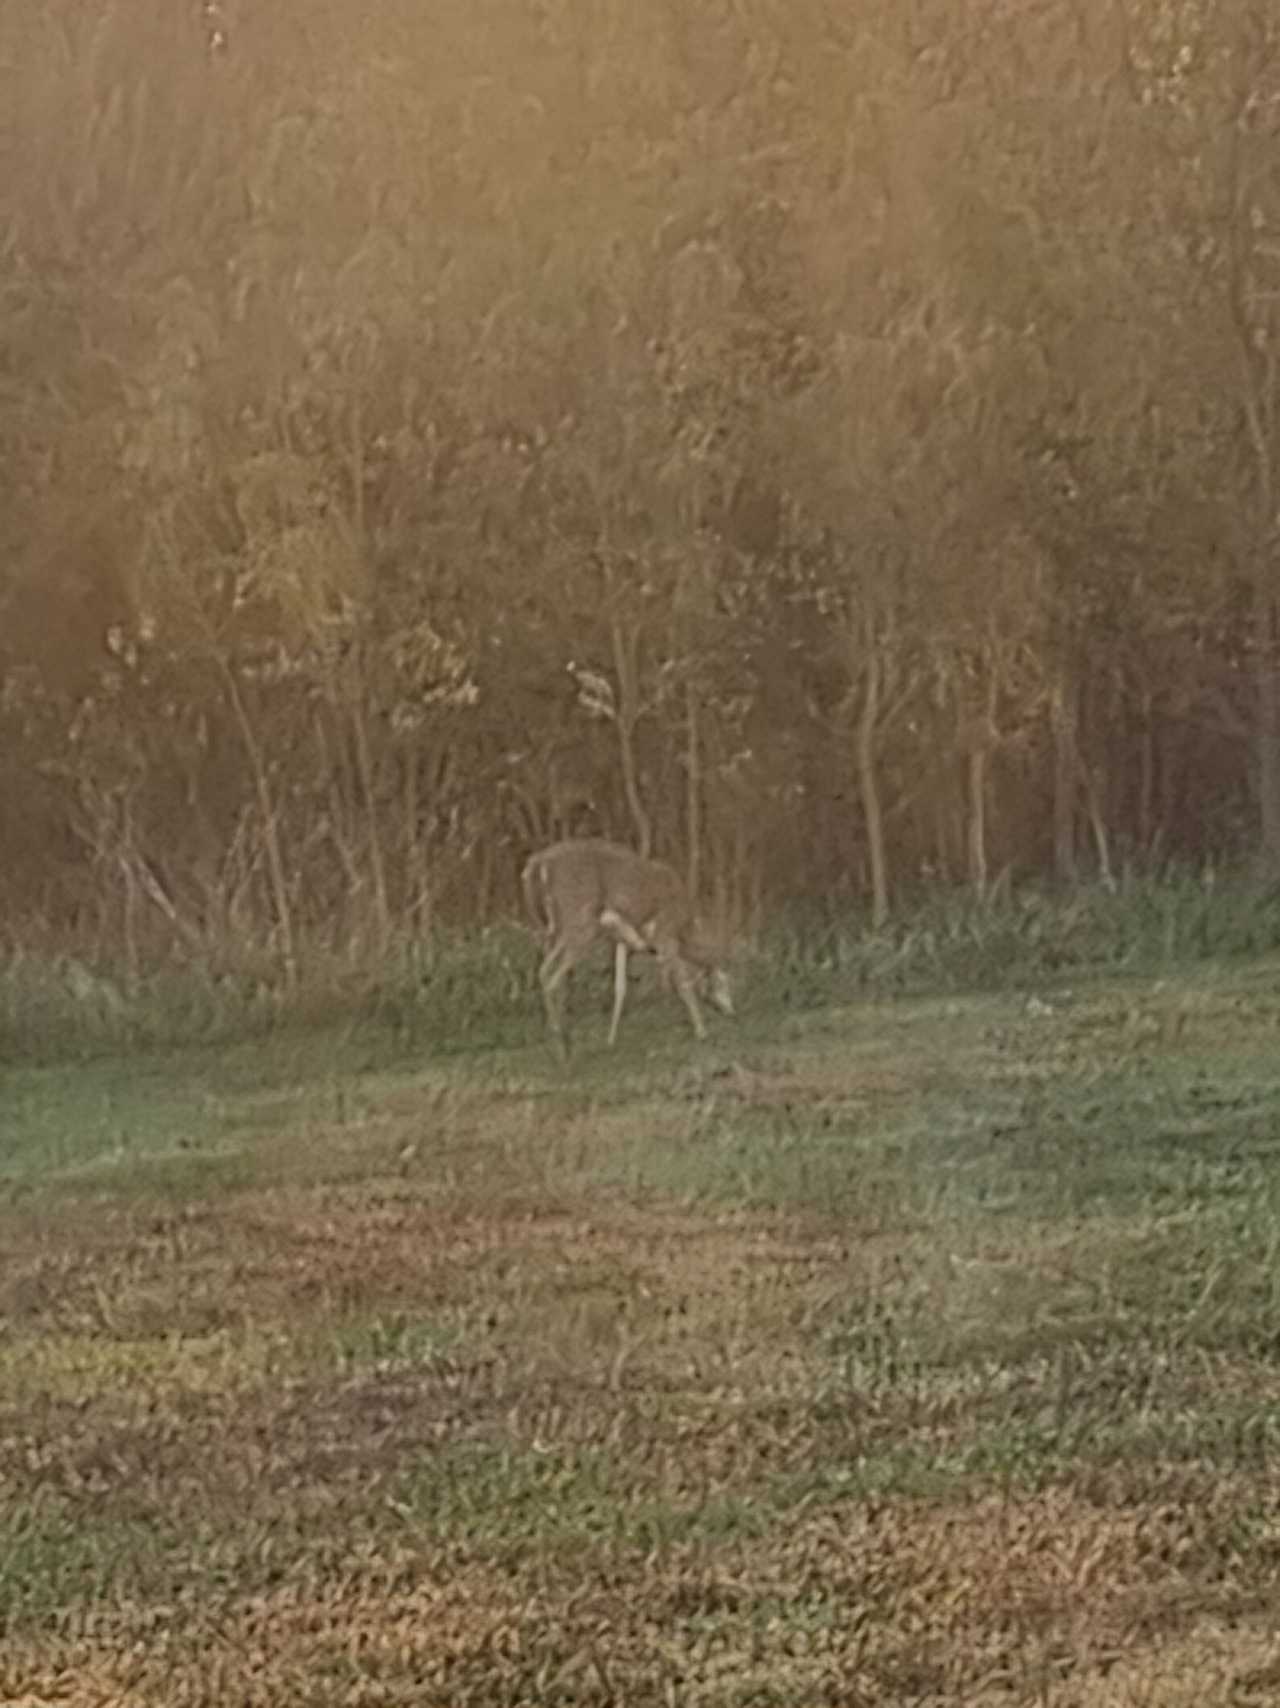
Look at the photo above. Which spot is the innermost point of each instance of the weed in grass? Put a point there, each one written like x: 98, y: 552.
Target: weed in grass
x: 54, y: 1555
x: 392, y: 1339
x: 505, y: 1502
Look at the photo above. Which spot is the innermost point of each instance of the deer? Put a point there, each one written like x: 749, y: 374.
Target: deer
x: 586, y: 889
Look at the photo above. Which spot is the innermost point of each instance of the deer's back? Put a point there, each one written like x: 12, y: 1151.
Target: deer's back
x: 590, y: 872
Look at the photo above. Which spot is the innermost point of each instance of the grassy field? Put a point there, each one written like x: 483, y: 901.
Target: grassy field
x: 922, y: 1352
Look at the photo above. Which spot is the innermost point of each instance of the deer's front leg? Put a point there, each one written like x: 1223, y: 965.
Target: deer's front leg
x: 619, y: 987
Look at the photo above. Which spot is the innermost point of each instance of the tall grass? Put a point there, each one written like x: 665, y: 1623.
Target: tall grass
x: 454, y: 990
x: 949, y: 941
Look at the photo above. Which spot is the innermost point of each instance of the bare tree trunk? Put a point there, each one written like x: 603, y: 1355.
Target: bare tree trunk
x: 377, y: 864
x: 693, y: 784
x: 869, y: 784
x: 978, y: 870
x: 1267, y: 746
x: 1146, y: 780
x: 338, y: 820
x: 1256, y: 355
x: 270, y: 831
x: 357, y: 470
x: 127, y: 857
x: 1098, y: 825
x: 486, y: 885
x: 417, y: 885
x: 983, y: 738
x: 626, y: 669
x: 943, y: 814
x: 1066, y: 771
x: 1075, y: 781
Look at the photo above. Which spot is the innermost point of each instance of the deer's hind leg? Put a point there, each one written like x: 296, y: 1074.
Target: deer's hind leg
x: 566, y: 950
x: 551, y: 976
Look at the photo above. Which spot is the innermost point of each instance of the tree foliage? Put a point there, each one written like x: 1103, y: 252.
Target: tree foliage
x: 836, y: 448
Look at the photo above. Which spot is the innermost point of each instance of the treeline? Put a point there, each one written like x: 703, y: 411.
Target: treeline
x: 835, y: 447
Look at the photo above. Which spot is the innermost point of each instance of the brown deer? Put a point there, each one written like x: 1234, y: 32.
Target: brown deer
x: 580, y: 891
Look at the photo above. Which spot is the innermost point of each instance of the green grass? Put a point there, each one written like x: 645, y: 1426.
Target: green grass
x: 452, y: 992
x: 888, y: 1347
